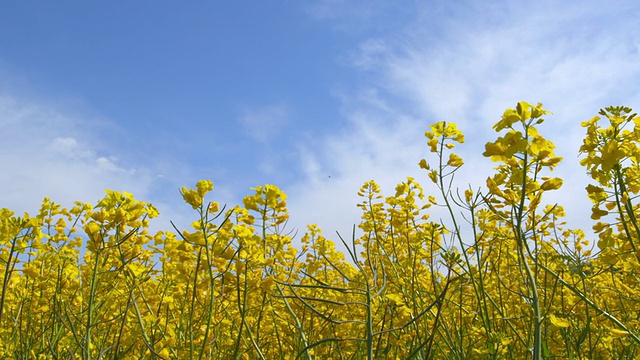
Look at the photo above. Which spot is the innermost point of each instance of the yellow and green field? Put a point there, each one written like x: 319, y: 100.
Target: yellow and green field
x: 502, y: 277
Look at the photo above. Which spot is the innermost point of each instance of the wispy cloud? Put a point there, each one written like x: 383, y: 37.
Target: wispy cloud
x: 370, y: 147
x: 52, y: 151
x: 266, y: 122
x: 467, y: 68
x: 417, y: 64
x: 46, y: 151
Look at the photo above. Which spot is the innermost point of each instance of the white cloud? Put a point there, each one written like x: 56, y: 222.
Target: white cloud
x: 468, y: 68
x: 51, y: 147
x: 265, y: 123
x: 70, y: 147
x: 49, y: 152
x: 369, y: 148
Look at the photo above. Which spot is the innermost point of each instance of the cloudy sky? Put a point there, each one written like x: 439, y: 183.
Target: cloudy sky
x: 316, y: 97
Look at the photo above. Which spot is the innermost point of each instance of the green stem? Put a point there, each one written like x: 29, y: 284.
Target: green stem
x: 86, y: 350
x: 207, y: 254
x: 11, y: 263
x: 592, y: 304
x: 522, y: 246
x: 629, y: 210
x: 484, y: 315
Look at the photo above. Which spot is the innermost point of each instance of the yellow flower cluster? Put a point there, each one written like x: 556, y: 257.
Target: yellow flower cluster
x: 508, y: 280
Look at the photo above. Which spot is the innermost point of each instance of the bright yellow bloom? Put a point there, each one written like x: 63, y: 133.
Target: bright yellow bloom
x: 559, y: 321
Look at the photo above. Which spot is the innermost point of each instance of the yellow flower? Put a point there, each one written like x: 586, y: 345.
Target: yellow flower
x: 597, y: 213
x: 395, y: 299
x: 468, y: 195
x: 204, y: 186
x: 455, y: 160
x: 192, y: 197
x: 551, y: 184
x: 559, y: 321
x: 619, y: 333
x: 30, y: 272
x: 92, y: 229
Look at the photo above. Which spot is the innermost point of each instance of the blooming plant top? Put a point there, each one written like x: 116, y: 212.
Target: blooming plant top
x: 501, y: 277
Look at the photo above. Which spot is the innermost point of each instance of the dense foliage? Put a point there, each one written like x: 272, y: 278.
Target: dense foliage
x: 506, y: 280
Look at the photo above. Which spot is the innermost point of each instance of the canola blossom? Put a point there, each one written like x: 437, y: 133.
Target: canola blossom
x: 502, y: 277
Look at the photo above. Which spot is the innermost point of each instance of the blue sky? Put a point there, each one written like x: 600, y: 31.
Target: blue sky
x: 316, y: 97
